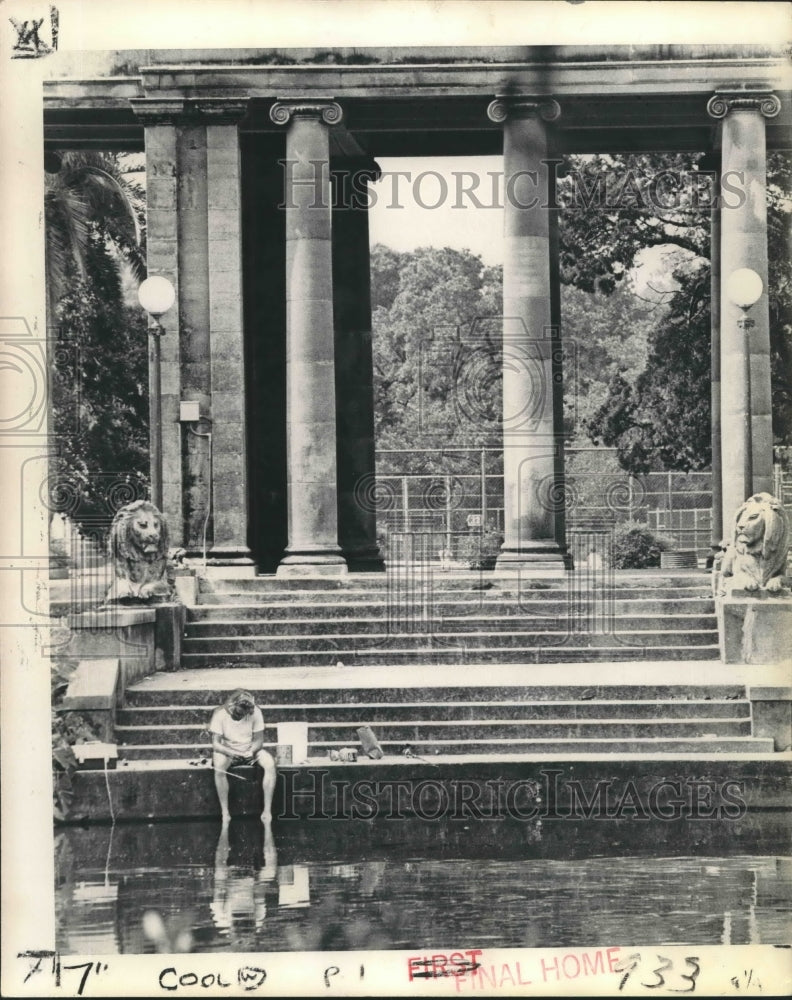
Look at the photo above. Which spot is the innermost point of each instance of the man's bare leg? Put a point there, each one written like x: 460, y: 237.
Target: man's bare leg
x: 267, y: 764
x: 221, y: 763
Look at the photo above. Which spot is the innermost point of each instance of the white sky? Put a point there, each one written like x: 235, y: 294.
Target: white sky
x: 458, y: 222
x: 466, y: 226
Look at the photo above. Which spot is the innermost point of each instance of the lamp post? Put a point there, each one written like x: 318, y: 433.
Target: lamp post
x: 156, y: 295
x: 744, y: 289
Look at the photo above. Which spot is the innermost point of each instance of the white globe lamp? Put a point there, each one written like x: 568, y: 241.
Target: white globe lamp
x: 156, y: 294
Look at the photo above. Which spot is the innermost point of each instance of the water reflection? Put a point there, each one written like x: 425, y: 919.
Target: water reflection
x: 239, y: 899
x: 326, y: 886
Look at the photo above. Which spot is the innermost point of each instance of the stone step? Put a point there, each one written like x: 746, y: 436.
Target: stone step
x: 552, y: 748
x: 375, y: 712
x: 444, y: 580
x: 475, y: 606
x: 699, y: 589
x: 474, y: 729
x: 395, y: 658
x: 210, y: 687
x: 490, y: 642
x: 264, y: 626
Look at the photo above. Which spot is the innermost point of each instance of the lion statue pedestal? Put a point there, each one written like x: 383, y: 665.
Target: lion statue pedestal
x: 142, y: 571
x: 753, y: 598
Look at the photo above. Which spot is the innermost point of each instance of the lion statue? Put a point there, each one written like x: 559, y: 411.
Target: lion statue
x: 139, y: 553
x: 757, y: 555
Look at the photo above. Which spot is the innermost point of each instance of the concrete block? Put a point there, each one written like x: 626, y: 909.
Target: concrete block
x: 186, y: 584
x: 771, y: 708
x: 225, y: 254
x: 228, y: 412
x: 229, y: 375
x: 94, y: 684
x: 223, y: 223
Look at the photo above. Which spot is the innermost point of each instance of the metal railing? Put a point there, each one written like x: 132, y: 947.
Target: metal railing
x: 452, y: 505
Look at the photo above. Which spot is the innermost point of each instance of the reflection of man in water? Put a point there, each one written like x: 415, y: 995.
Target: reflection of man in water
x: 237, y: 729
x: 238, y: 905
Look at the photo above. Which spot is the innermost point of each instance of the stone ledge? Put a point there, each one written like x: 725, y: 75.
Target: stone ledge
x: 94, y: 684
x: 161, y: 790
x: 770, y: 693
x: 94, y: 693
x: 112, y: 617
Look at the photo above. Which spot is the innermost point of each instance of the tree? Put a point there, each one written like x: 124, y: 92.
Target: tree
x: 435, y: 313
x: 89, y: 193
x: 662, y: 419
x: 99, y: 369
x: 605, y: 336
x: 614, y: 209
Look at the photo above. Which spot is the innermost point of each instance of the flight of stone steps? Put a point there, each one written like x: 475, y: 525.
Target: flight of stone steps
x: 171, y: 724
x: 374, y: 620
x: 287, y: 641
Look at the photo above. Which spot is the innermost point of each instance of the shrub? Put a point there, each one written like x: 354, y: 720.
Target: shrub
x: 636, y: 547
x: 480, y: 549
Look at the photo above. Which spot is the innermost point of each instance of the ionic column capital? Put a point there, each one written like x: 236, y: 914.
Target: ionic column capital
x: 326, y: 109
x: 724, y: 101
x: 504, y: 108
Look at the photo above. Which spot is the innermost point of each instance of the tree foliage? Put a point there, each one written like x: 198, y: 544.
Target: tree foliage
x: 661, y: 418
x: 436, y: 361
x: 99, y: 362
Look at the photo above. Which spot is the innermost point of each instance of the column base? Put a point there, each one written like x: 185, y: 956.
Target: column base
x: 538, y: 560
x: 307, y: 564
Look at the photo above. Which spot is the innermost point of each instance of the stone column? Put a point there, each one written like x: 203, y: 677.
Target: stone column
x: 194, y: 230
x: 310, y: 356
x: 226, y: 341
x: 716, y: 533
x: 162, y: 257
x: 746, y: 422
x: 193, y: 258
x: 357, y: 521
x: 532, y: 441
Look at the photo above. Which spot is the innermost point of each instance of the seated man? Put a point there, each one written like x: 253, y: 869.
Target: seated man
x: 237, y: 729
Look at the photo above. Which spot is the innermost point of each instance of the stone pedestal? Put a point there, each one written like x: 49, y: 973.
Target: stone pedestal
x: 771, y: 712
x: 755, y: 628
x: 532, y: 444
x: 313, y: 547
x: 123, y: 634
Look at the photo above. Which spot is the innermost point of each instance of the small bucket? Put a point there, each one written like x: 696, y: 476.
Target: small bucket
x: 292, y: 743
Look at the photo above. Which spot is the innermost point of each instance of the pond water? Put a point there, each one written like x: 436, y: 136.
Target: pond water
x: 377, y: 885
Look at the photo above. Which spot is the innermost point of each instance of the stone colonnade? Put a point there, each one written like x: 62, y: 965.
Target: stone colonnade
x: 194, y: 238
